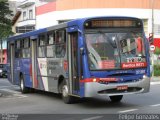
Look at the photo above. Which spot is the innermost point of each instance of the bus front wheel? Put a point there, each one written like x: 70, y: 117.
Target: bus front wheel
x: 116, y: 98
x: 65, y: 94
x: 22, y: 85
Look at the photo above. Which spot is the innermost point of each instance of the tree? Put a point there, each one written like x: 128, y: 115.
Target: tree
x: 157, y: 51
x: 5, y: 23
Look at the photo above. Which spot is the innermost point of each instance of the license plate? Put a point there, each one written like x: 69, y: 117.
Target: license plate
x: 124, y: 87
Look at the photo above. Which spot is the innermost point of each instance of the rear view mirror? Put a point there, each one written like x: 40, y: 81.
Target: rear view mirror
x: 81, y: 50
x: 151, y: 38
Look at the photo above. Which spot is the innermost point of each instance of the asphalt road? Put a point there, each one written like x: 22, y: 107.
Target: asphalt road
x: 13, y: 102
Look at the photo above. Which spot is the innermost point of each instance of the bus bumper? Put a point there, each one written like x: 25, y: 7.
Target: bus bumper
x: 93, y: 89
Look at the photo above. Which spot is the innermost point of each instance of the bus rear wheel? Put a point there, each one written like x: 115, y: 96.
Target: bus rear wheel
x: 22, y: 85
x: 116, y: 98
x: 65, y: 93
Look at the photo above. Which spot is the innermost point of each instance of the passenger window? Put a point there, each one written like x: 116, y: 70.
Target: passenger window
x: 41, y: 40
x: 60, y: 43
x: 26, y: 43
x: 41, y: 46
x: 26, y: 48
x: 18, y: 49
x: 60, y: 50
x: 50, y: 38
x: 60, y: 36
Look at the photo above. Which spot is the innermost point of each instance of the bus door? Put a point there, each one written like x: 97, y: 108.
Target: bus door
x: 73, y: 62
x: 33, y: 66
x: 12, y: 62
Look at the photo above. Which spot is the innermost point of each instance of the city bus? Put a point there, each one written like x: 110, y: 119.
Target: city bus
x: 82, y: 58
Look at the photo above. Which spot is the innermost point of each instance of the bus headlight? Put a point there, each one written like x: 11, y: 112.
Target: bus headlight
x: 94, y: 80
x: 144, y: 76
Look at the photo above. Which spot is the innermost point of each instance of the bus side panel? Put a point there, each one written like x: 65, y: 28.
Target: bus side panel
x: 8, y: 67
x: 40, y: 79
x: 52, y: 73
x: 49, y: 70
x: 55, y: 69
x: 43, y: 77
x: 17, y: 70
x: 27, y: 73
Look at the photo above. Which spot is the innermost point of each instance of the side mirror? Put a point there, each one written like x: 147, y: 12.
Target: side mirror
x: 81, y: 50
x: 151, y: 38
x: 81, y: 63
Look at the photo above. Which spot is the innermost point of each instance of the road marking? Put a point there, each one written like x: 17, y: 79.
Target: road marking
x: 93, y: 118
x: 130, y: 110
x: 155, y: 83
x: 155, y: 105
x: 11, y: 91
x: 15, y: 97
x: 15, y: 93
x: 1, y: 87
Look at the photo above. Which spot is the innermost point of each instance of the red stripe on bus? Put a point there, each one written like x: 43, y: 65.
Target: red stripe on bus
x: 86, y: 80
x: 49, y: 7
x: 34, y: 80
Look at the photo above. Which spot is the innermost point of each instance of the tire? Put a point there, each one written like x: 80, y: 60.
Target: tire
x: 22, y: 85
x: 116, y: 98
x: 65, y: 93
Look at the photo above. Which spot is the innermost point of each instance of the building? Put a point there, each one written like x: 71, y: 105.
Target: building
x: 52, y: 12
x: 4, y: 53
x: 24, y: 19
x: 12, y: 6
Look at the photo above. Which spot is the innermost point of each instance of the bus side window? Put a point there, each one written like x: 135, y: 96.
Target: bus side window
x: 41, y: 46
x: 51, y: 38
x: 18, y: 49
x: 26, y: 48
x: 51, y: 44
x: 60, y: 43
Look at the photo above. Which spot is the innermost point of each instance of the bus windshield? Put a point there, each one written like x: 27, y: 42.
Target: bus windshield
x: 115, y: 50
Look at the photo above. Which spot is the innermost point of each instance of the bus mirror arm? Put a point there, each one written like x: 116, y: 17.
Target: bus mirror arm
x: 80, y: 31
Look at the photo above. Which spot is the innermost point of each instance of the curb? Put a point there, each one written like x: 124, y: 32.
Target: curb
x: 155, y: 83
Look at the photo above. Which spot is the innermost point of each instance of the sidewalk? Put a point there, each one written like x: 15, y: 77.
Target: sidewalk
x: 155, y: 79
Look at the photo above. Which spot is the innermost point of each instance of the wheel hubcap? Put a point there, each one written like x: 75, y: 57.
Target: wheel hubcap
x: 65, y: 91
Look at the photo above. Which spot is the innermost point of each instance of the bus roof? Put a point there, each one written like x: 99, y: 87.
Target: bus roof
x: 28, y: 34
x: 103, y: 17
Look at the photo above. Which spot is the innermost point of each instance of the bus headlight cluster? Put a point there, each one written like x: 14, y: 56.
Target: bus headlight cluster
x: 144, y: 76
x: 94, y: 79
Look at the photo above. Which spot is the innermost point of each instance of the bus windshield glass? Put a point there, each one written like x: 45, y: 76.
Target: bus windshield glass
x: 107, y: 50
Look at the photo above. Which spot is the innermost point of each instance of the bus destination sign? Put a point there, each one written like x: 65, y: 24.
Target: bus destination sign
x: 112, y: 23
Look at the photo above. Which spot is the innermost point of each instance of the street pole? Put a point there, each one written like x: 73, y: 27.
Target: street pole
x: 152, y: 53
x: 153, y: 18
